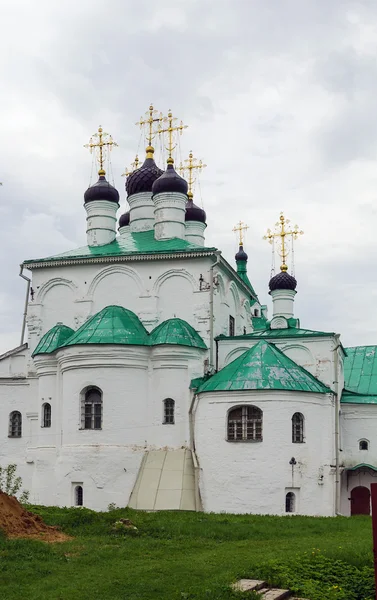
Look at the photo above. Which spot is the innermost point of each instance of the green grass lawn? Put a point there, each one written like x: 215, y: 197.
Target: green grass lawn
x: 178, y: 556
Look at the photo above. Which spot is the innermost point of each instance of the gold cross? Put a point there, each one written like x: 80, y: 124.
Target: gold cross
x: 134, y: 166
x: 190, y: 165
x: 282, y: 233
x: 105, y: 142
x: 241, y: 228
x: 169, y: 130
x: 153, y: 117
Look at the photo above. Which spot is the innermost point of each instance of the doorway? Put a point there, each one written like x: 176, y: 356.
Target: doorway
x: 360, y: 501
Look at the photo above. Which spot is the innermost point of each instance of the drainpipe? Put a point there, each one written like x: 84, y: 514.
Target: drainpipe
x: 211, y: 292
x: 198, y: 502
x: 26, y: 303
x: 337, y: 411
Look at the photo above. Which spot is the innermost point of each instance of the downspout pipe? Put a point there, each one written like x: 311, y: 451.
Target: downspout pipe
x: 211, y: 293
x: 28, y: 280
x: 198, y: 502
x: 337, y: 413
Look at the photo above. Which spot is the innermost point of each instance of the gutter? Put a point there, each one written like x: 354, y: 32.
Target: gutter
x: 337, y: 414
x: 211, y: 292
x: 26, y: 303
x: 198, y: 501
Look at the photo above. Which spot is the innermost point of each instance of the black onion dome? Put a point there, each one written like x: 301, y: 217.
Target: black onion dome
x: 102, y: 190
x: 124, y: 220
x: 282, y: 281
x: 143, y: 179
x: 194, y: 213
x: 241, y: 254
x: 170, y: 181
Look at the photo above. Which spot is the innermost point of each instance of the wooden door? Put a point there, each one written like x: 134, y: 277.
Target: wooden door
x: 360, y: 501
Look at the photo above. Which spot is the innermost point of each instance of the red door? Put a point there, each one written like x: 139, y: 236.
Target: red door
x: 360, y: 501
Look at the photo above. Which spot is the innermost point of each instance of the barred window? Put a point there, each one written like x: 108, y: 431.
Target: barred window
x: 363, y: 445
x: 15, y: 424
x: 91, y: 409
x: 79, y: 495
x: 245, y: 424
x: 169, y: 407
x: 298, y: 428
x: 46, y: 415
x: 231, y: 325
x: 290, y: 502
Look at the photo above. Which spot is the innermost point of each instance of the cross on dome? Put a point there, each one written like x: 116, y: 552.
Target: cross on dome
x: 191, y: 164
x: 169, y: 131
x: 105, y: 142
x: 282, y: 232
x: 240, y: 228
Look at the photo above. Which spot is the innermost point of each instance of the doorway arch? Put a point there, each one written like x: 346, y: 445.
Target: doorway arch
x: 360, y: 500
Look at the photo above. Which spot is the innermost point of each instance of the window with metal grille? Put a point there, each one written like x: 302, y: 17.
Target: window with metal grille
x: 290, y: 502
x: 363, y: 445
x: 169, y: 406
x: 46, y: 415
x: 79, y: 495
x: 298, y: 428
x: 91, y: 409
x: 15, y: 424
x: 231, y: 325
x: 245, y: 424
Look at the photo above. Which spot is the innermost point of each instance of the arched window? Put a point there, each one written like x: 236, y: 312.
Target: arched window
x: 290, y: 502
x: 91, y: 409
x: 169, y: 406
x: 79, y: 495
x: 245, y: 424
x: 363, y: 445
x: 298, y: 428
x: 46, y: 415
x: 15, y: 424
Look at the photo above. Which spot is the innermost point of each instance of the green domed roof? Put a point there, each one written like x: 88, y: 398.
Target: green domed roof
x: 54, y: 338
x: 176, y: 331
x: 112, y: 325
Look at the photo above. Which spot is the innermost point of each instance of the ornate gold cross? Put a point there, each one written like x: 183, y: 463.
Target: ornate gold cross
x: 105, y: 142
x: 191, y: 164
x: 151, y: 116
x: 169, y: 130
x: 134, y: 166
x: 281, y: 232
x: 240, y: 227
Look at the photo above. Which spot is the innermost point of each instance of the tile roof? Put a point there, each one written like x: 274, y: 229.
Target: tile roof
x: 263, y: 367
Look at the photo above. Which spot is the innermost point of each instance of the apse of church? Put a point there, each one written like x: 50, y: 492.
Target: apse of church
x: 152, y: 375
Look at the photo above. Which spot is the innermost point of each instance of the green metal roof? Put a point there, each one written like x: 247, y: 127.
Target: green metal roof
x: 259, y: 323
x: 360, y: 370
x: 264, y: 367
x: 291, y: 332
x: 242, y: 273
x: 352, y: 398
x: 54, y: 338
x: 126, y: 245
x: 361, y: 466
x: 112, y: 325
x: 176, y: 331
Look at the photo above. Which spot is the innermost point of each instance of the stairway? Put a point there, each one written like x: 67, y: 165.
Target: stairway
x: 268, y: 593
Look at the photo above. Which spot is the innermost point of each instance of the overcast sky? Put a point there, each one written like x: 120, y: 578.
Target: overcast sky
x: 280, y: 97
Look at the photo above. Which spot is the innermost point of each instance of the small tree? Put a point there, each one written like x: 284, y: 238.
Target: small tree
x: 11, y: 485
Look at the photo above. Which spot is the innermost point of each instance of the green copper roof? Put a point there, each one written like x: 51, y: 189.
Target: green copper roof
x: 360, y: 370
x: 54, y: 338
x: 264, y: 367
x: 259, y: 323
x: 112, y: 325
x: 242, y: 273
x: 291, y: 332
x: 127, y: 245
x: 361, y: 466
x: 352, y: 398
x: 176, y: 331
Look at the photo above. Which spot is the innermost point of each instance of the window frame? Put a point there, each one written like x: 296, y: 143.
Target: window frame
x: 169, y: 411
x: 46, y: 419
x: 89, y: 411
x: 79, y: 495
x: 246, y: 425
x: 364, y: 441
x: 232, y: 326
x: 298, y: 429
x: 291, y: 497
x: 12, y: 432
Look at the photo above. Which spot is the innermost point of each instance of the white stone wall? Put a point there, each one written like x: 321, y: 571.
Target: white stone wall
x: 254, y: 477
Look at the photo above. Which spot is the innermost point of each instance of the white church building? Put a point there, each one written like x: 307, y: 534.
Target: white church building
x: 153, y: 377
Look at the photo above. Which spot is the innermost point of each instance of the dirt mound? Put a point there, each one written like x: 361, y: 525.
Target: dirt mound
x: 15, y: 521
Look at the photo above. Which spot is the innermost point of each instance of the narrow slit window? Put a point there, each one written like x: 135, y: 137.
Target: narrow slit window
x: 245, y: 423
x: 169, y: 410
x: 79, y: 495
x: 231, y: 325
x: 298, y: 428
x: 15, y: 424
x: 290, y: 502
x: 46, y: 411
